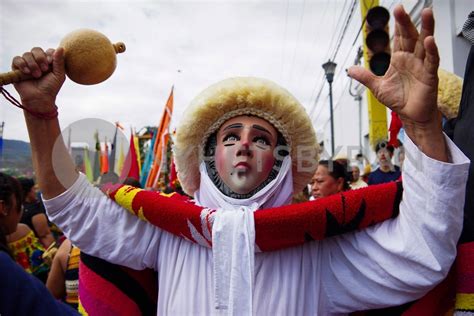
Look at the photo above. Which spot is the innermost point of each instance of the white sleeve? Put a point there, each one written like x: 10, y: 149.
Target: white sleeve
x: 102, y: 228
x: 401, y: 259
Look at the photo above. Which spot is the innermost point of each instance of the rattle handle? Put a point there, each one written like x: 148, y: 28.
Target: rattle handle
x: 13, y: 77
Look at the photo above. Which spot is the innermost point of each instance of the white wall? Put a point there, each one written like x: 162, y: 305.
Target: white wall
x: 450, y: 16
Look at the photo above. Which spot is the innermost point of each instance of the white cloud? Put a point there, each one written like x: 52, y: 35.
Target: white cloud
x: 206, y: 41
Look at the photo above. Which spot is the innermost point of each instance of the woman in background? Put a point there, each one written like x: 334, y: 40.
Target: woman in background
x: 330, y: 177
x: 20, y: 293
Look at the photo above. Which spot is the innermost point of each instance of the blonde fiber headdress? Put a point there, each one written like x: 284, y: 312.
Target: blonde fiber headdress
x: 244, y: 96
x: 449, y: 93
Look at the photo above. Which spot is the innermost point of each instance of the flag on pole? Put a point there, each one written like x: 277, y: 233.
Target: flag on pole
x: 162, y: 159
x: 113, y: 148
x: 148, y: 160
x: 96, y: 170
x: 130, y: 167
x: 137, y: 149
x: 87, y: 166
x: 160, y: 143
x: 121, y: 159
x: 104, y: 158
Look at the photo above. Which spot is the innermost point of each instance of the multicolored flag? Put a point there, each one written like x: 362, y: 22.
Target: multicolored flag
x: 130, y: 167
x: 159, y: 148
x: 104, y: 158
x: 148, y: 159
x: 121, y: 159
x: 113, y: 148
x: 162, y: 158
x: 137, y: 150
x: 87, y: 166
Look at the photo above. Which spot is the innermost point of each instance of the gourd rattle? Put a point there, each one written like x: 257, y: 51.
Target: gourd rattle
x: 90, y: 58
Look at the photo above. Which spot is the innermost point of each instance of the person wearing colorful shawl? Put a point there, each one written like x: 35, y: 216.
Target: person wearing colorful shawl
x: 28, y: 252
x: 243, y: 148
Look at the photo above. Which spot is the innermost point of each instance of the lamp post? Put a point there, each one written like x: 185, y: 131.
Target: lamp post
x: 329, y: 69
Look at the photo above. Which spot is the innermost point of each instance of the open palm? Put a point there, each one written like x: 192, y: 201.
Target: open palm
x: 411, y: 83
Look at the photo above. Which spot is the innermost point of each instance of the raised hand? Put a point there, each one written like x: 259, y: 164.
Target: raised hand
x: 47, y: 70
x: 38, y: 96
x: 410, y: 85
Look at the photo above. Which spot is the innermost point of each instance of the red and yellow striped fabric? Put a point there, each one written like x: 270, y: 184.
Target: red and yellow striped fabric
x: 465, y: 279
x: 276, y: 228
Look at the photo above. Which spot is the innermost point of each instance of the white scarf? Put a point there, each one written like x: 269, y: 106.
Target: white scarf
x: 233, y: 236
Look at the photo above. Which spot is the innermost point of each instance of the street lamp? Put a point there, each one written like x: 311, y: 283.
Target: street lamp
x: 329, y: 69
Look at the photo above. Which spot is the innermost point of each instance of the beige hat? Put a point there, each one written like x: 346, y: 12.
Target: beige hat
x: 449, y: 93
x: 244, y: 96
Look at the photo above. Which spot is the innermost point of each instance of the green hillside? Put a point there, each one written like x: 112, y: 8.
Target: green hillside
x: 16, y: 158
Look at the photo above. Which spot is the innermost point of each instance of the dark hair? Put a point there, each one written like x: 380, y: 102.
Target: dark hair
x: 384, y: 144
x: 337, y: 170
x: 26, y: 185
x: 133, y: 182
x: 10, y: 189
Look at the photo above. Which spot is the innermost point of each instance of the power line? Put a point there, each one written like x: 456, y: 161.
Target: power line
x: 315, y: 37
x: 284, y: 40
x: 343, y: 65
x: 341, y: 37
x: 349, y: 18
x: 336, y: 28
x: 297, y: 39
x: 338, y: 102
x: 321, y: 108
x: 336, y: 77
x: 313, y: 108
x: 322, y: 80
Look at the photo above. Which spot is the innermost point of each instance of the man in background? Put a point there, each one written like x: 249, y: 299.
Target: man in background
x: 387, y: 171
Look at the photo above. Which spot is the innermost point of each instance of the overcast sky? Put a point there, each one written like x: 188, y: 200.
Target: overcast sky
x: 188, y: 44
